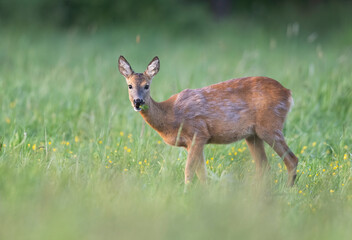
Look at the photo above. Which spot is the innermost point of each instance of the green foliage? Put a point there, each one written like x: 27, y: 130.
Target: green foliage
x: 93, y: 12
x: 78, y: 163
x: 144, y: 107
x: 184, y: 13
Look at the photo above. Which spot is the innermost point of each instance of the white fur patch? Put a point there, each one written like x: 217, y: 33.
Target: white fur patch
x: 291, y: 103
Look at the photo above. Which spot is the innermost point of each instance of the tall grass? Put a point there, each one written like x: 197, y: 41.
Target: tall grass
x: 78, y: 163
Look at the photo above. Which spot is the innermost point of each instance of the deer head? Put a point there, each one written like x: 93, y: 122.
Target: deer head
x: 139, y: 83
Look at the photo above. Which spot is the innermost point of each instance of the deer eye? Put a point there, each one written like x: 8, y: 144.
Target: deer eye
x: 146, y: 87
x: 130, y: 86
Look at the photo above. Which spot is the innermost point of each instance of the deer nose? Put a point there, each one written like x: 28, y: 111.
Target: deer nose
x: 138, y: 101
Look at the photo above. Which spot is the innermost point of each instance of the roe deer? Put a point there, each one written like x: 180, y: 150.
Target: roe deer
x: 251, y: 108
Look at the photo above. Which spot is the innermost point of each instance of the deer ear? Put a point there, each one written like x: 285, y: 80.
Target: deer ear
x: 153, y: 67
x: 124, y: 67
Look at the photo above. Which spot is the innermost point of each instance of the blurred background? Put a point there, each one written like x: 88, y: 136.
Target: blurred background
x: 186, y: 13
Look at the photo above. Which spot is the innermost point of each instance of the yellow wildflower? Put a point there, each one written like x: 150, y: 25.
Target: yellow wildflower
x: 34, y: 147
x: 13, y: 104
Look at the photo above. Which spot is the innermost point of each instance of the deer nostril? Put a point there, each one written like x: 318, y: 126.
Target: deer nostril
x: 138, y: 101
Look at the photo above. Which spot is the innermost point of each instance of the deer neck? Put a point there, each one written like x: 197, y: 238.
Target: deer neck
x: 158, y: 115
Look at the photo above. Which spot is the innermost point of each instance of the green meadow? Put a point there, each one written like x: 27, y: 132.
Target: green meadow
x: 78, y: 163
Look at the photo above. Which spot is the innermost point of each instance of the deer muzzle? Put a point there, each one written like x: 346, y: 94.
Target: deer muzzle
x: 137, y: 104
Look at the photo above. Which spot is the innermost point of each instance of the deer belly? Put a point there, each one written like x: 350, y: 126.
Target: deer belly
x: 230, y: 134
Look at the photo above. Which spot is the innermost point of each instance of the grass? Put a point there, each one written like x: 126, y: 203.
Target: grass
x: 78, y: 163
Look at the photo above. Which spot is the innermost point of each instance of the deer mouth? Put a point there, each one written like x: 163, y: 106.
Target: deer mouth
x: 138, y: 105
x: 137, y: 109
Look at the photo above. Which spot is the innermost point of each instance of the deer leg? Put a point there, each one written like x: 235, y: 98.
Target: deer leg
x: 256, y: 147
x: 278, y: 143
x: 201, y: 170
x: 195, y: 162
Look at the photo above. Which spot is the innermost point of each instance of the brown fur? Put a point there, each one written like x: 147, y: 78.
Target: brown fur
x: 252, y: 108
